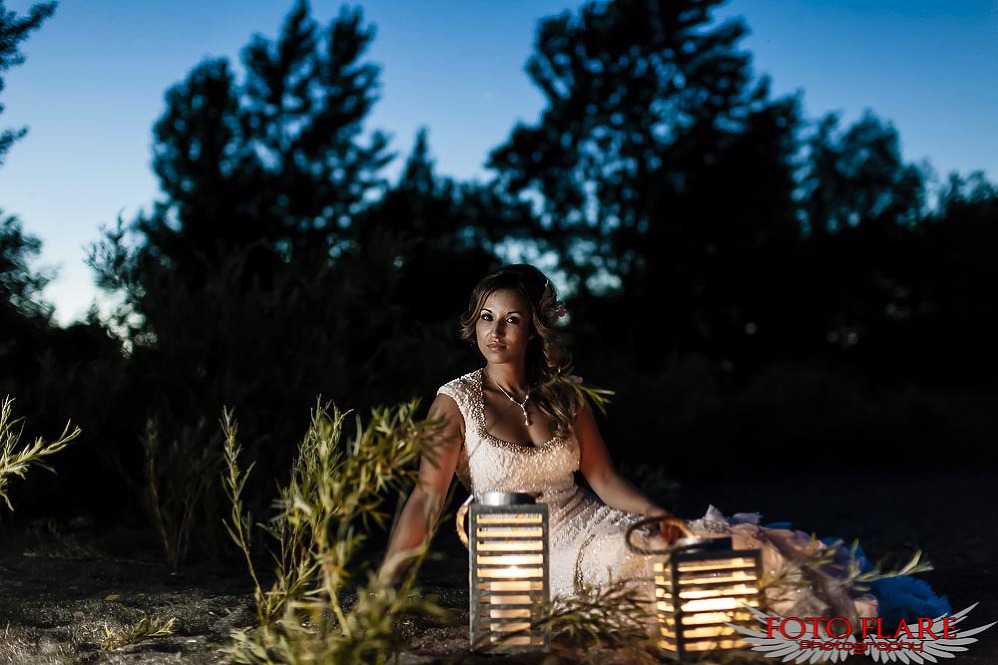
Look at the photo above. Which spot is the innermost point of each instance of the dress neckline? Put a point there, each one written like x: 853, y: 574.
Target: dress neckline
x: 502, y: 443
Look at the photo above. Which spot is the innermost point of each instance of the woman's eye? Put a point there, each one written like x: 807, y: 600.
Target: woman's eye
x: 514, y: 320
x: 486, y: 317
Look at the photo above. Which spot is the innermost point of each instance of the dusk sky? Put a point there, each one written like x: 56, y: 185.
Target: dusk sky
x: 96, y: 73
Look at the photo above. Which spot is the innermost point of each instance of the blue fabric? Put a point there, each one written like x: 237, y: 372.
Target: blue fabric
x: 904, y: 596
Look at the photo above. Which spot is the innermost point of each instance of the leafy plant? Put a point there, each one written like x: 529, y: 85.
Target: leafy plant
x: 594, y: 621
x: 584, y: 392
x: 144, y: 629
x: 612, y: 617
x: 881, y: 570
x: 53, y: 543
x: 180, y: 487
x: 315, y: 610
x: 15, y: 461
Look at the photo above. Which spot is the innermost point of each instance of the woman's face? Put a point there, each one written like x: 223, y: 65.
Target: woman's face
x: 503, y: 328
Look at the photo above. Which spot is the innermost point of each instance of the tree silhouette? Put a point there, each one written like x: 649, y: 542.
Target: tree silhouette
x: 451, y: 233
x: 57, y: 374
x: 953, y: 282
x: 14, y: 30
x: 665, y: 171
x: 859, y: 177
x: 274, y: 270
x: 22, y: 313
x: 276, y: 162
x: 20, y: 287
x: 261, y: 180
x: 628, y: 85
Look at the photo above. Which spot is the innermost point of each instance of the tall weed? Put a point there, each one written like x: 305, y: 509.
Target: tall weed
x: 325, y: 605
x: 15, y: 460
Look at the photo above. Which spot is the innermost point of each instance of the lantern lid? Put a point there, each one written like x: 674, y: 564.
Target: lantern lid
x: 506, y: 498
x: 704, y: 543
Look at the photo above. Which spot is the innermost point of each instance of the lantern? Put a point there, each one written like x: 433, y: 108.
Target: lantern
x: 701, y: 586
x: 507, y: 539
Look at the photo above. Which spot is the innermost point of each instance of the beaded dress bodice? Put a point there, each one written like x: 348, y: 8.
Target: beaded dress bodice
x: 587, y: 543
x: 489, y: 464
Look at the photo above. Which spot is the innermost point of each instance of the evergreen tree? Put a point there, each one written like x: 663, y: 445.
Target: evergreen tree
x: 636, y: 90
x: 450, y: 232
x: 252, y: 284
x: 277, y: 163
x: 863, y: 210
x: 20, y: 286
x: 262, y: 180
x: 859, y: 176
x: 15, y: 29
x: 664, y: 170
x: 56, y: 374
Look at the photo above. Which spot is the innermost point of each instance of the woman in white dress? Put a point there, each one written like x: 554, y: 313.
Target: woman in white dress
x: 521, y: 424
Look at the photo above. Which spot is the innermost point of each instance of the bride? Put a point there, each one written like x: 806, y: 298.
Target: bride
x: 522, y: 424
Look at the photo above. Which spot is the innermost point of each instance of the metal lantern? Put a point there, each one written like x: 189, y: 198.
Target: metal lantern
x: 507, y: 539
x: 701, y: 586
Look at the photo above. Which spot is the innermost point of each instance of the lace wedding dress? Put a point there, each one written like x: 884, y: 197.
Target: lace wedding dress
x: 588, y: 545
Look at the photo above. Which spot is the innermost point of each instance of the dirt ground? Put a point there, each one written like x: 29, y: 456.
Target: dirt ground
x: 59, y: 595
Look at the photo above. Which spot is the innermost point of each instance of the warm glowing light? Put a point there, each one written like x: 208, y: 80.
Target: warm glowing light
x: 512, y: 560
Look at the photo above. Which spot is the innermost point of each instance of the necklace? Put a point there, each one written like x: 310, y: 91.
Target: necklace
x: 522, y: 405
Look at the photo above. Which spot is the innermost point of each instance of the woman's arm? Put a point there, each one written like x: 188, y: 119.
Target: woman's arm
x: 424, y: 504
x: 599, y: 471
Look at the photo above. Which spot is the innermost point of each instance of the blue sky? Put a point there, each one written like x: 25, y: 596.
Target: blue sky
x: 96, y: 73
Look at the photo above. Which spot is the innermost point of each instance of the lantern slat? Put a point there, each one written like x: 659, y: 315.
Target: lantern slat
x: 512, y: 586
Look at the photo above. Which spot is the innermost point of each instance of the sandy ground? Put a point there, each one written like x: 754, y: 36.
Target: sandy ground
x: 60, y: 595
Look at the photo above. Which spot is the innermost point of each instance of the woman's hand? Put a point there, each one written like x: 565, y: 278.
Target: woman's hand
x: 671, y: 528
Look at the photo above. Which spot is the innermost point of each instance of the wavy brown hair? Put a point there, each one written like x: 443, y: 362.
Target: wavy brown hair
x: 548, y: 359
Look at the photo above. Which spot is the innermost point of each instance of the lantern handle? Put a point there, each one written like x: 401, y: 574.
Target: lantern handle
x: 462, y: 513
x: 674, y: 521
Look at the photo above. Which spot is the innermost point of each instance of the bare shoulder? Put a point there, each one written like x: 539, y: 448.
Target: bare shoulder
x: 584, y: 416
x: 445, y: 410
x: 444, y: 405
